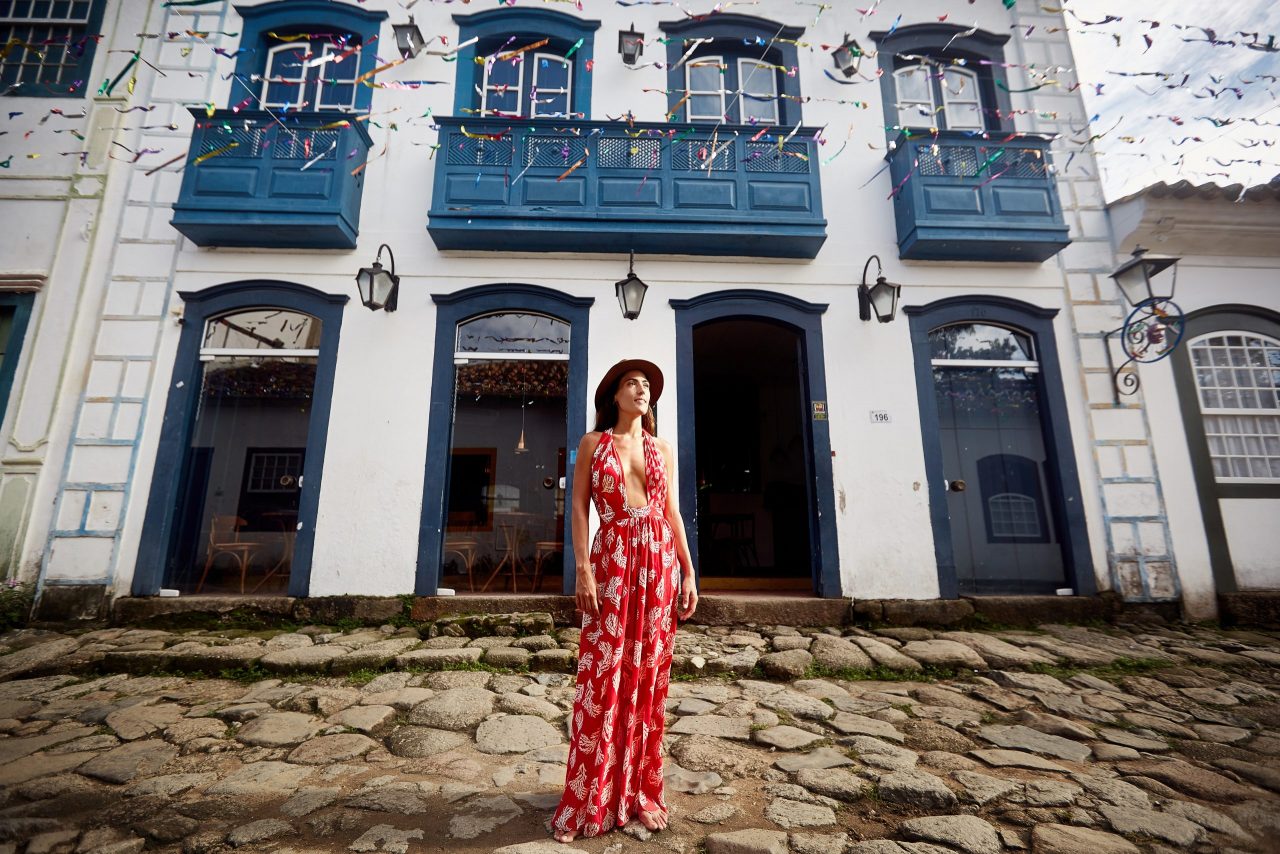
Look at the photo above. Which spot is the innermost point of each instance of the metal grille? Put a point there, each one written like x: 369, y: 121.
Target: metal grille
x: 305, y: 145
x: 696, y: 154
x: 464, y: 151
x: 765, y: 157
x: 553, y: 150
x: 248, y: 141
x: 1021, y: 163
x: 617, y: 153
x: 956, y: 160
x: 57, y: 33
x: 274, y: 472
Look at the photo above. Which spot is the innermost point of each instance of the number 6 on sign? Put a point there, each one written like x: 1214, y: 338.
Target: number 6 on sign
x: 880, y: 416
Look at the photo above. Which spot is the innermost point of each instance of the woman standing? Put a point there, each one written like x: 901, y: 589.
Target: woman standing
x: 626, y: 591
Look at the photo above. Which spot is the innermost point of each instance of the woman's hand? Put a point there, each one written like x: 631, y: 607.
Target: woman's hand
x: 587, y: 602
x: 688, y: 596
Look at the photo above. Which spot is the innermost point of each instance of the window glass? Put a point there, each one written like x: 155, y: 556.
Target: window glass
x: 706, y: 88
x: 513, y: 332
x: 1237, y: 378
x: 980, y: 341
x: 759, y: 85
x: 336, y: 80
x: 915, y: 96
x: 552, y: 76
x: 262, y: 329
x: 960, y: 95
x: 502, y: 87
x: 314, y: 75
x: 60, y: 33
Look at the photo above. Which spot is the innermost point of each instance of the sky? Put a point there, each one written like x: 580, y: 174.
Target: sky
x: 1140, y: 144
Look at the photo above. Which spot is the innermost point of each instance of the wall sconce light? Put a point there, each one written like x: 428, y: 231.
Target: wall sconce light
x: 882, y: 297
x: 631, y: 291
x: 1137, y: 277
x: 378, y: 288
x: 847, y: 56
x: 1155, y: 326
x: 630, y: 45
x: 409, y: 39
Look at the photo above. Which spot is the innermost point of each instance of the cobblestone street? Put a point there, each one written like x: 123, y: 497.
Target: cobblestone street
x: 451, y: 736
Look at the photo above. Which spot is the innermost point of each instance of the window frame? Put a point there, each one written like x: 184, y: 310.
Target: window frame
x: 735, y: 39
x: 1232, y: 412
x: 300, y: 16
x: 981, y: 53
x: 21, y: 304
x: 521, y: 26
x: 83, y: 68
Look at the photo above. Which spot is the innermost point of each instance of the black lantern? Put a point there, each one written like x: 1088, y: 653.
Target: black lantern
x: 847, y: 56
x: 631, y: 291
x: 1140, y: 280
x: 409, y: 39
x: 630, y: 45
x: 882, y: 297
x: 378, y: 288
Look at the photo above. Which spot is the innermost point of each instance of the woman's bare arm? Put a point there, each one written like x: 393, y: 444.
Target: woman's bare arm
x: 688, y: 589
x: 586, y: 580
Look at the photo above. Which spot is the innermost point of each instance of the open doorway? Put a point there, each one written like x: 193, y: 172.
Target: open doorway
x: 754, y: 459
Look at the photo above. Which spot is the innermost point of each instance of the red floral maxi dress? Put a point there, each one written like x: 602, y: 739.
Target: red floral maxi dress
x: 624, y: 662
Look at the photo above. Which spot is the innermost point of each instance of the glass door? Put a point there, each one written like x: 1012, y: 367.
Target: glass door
x: 504, y: 529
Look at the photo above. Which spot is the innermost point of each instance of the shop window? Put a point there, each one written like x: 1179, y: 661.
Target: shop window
x: 1237, y: 378
x: 939, y: 76
x: 305, y: 55
x: 49, y: 46
x: 742, y: 70
x: 525, y: 63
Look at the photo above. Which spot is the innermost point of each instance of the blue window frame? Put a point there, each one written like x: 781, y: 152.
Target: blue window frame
x: 937, y: 76
x: 15, y: 312
x: 550, y: 80
x: 159, y: 526
x: 743, y: 72
x: 51, y: 46
x: 306, y: 55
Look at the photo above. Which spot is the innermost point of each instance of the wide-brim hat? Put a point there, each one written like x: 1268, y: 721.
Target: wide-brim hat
x: 608, y: 384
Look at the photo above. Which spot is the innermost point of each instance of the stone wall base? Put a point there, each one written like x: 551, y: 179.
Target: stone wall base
x: 1255, y: 608
x: 72, y: 603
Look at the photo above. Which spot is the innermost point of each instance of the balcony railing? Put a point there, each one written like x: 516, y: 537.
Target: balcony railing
x: 260, y: 179
x: 964, y: 198
x: 551, y: 185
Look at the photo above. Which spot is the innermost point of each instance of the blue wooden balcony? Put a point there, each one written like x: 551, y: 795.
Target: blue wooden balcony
x: 972, y: 199
x: 274, y: 183
x: 658, y: 188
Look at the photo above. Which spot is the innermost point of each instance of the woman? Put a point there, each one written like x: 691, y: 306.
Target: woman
x: 627, y: 588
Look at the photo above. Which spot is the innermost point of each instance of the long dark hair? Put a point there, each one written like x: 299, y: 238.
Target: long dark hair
x: 607, y: 418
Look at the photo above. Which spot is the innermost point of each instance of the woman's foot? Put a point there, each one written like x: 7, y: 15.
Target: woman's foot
x: 566, y: 837
x: 654, y: 820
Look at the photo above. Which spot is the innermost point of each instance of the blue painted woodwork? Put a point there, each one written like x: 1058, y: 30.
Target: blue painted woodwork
x: 20, y: 306
x: 292, y: 17
x: 154, y: 551
x: 451, y: 310
x: 512, y: 28
x: 270, y: 190
x: 969, y: 198
x: 736, y: 36
x: 1063, y: 476
x: 651, y: 187
x: 806, y: 318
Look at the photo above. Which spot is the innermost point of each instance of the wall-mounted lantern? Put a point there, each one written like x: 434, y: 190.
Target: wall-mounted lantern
x: 631, y: 291
x: 630, y: 45
x: 1141, y: 278
x: 379, y: 289
x: 882, y: 297
x: 409, y: 39
x: 847, y: 56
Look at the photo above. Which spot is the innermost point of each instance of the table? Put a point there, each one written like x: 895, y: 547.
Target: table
x: 513, y: 525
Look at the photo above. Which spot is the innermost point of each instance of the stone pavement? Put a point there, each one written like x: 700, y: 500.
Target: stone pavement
x: 451, y: 736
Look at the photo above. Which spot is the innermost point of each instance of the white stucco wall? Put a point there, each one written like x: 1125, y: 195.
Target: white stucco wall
x: 377, y: 438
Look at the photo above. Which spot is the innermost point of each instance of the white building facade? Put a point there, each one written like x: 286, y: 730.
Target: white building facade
x: 201, y: 403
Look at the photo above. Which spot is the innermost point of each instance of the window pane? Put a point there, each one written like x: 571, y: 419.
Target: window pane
x: 980, y: 341
x: 263, y: 329
x: 705, y: 107
x: 513, y: 333
x: 552, y: 71
x: 507, y: 101
x: 551, y: 105
x: 704, y: 75
x: 913, y: 85
x: 759, y: 91
x: 504, y: 73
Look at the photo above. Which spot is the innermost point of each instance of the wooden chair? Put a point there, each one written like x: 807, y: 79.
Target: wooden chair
x: 543, y: 549
x: 224, y: 539
x: 467, y: 547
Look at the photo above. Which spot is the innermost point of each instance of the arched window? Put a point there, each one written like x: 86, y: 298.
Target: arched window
x: 1014, y: 516
x: 733, y: 68
x: 1237, y: 378
x: 935, y: 95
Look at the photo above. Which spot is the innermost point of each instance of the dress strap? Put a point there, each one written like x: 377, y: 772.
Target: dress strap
x: 655, y: 473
